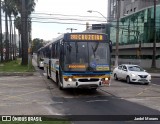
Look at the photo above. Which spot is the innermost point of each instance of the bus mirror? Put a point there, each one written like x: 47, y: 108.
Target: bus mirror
x: 110, y: 45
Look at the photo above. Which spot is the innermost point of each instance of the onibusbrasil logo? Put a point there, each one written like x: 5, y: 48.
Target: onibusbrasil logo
x: 21, y: 118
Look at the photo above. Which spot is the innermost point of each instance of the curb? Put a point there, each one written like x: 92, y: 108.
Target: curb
x: 16, y: 73
x: 155, y: 76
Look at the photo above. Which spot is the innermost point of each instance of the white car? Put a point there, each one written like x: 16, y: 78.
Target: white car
x: 131, y: 73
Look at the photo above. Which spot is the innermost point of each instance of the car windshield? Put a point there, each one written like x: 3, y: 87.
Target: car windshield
x: 135, y: 68
x: 86, y: 56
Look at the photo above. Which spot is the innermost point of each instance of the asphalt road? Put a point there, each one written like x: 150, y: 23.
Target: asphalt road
x: 36, y: 95
x: 116, y: 102
x: 87, y: 106
x: 156, y: 81
x: 97, y: 108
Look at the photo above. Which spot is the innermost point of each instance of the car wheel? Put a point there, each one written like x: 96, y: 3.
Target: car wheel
x: 115, y: 77
x: 128, y: 79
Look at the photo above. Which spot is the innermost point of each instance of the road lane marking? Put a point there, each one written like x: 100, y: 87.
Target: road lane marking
x: 97, y: 101
x: 144, y: 90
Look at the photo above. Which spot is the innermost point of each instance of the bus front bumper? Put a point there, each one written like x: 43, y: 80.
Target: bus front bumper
x: 86, y: 82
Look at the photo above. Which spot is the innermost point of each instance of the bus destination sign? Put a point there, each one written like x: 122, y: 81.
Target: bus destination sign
x: 97, y: 37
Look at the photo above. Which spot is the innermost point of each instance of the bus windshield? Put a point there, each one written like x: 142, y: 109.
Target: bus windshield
x: 86, y: 56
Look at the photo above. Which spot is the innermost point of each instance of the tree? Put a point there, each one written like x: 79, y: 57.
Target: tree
x: 1, y: 43
x: 9, y: 8
x: 36, y: 44
x: 4, y: 7
x: 25, y: 8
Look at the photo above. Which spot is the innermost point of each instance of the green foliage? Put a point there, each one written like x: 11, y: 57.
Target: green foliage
x: 15, y: 66
x: 45, y: 120
x: 36, y: 44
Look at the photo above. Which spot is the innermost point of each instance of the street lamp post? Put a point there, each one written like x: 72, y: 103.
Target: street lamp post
x: 117, y: 30
x: 90, y: 11
x: 154, y: 42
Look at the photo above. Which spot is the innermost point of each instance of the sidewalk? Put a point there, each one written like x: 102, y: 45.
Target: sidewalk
x: 155, y: 75
x: 16, y: 74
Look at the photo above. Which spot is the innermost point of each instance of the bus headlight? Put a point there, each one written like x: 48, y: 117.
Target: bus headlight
x: 70, y: 79
x: 106, y: 79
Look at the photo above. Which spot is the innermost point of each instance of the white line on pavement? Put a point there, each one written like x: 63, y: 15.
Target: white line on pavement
x: 97, y: 101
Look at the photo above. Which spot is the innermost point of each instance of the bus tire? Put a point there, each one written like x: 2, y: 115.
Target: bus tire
x: 58, y: 81
x: 59, y: 86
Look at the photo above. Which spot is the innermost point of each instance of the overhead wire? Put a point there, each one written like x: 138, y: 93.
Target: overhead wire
x: 67, y: 15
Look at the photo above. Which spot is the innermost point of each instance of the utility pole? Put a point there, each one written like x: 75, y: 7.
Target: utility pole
x: 117, y: 32
x: 71, y: 29
x: 24, y: 36
x: 154, y: 42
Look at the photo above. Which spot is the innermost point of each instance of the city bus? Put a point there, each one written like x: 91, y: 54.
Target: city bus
x: 40, y: 58
x: 78, y: 60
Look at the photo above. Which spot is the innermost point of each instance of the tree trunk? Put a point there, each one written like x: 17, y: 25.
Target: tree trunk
x: 1, y: 44
x: 6, y: 36
x: 24, y: 35
x: 10, y: 39
x: 15, y: 45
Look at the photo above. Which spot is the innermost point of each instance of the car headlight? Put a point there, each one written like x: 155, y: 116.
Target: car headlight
x: 133, y: 75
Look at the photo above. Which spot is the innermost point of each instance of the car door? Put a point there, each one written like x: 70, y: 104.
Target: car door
x: 124, y: 72
x: 118, y: 72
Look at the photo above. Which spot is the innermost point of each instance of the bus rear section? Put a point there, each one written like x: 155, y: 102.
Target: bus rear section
x: 40, y: 58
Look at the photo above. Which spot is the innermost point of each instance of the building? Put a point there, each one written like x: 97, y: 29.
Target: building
x: 136, y: 31
x: 127, y: 7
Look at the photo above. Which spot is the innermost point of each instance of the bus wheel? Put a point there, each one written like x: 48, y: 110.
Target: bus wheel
x: 60, y: 86
x: 58, y: 82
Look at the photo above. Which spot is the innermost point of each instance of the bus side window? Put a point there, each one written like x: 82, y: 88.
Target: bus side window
x: 53, y: 51
x: 57, y: 50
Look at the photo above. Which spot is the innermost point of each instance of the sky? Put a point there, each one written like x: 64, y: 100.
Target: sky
x: 54, y: 17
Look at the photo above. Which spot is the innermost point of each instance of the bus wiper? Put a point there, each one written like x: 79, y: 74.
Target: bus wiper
x: 76, y: 45
x: 95, y: 49
x: 89, y: 68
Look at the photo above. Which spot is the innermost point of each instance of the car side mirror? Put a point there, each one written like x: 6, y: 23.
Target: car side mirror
x: 144, y: 70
